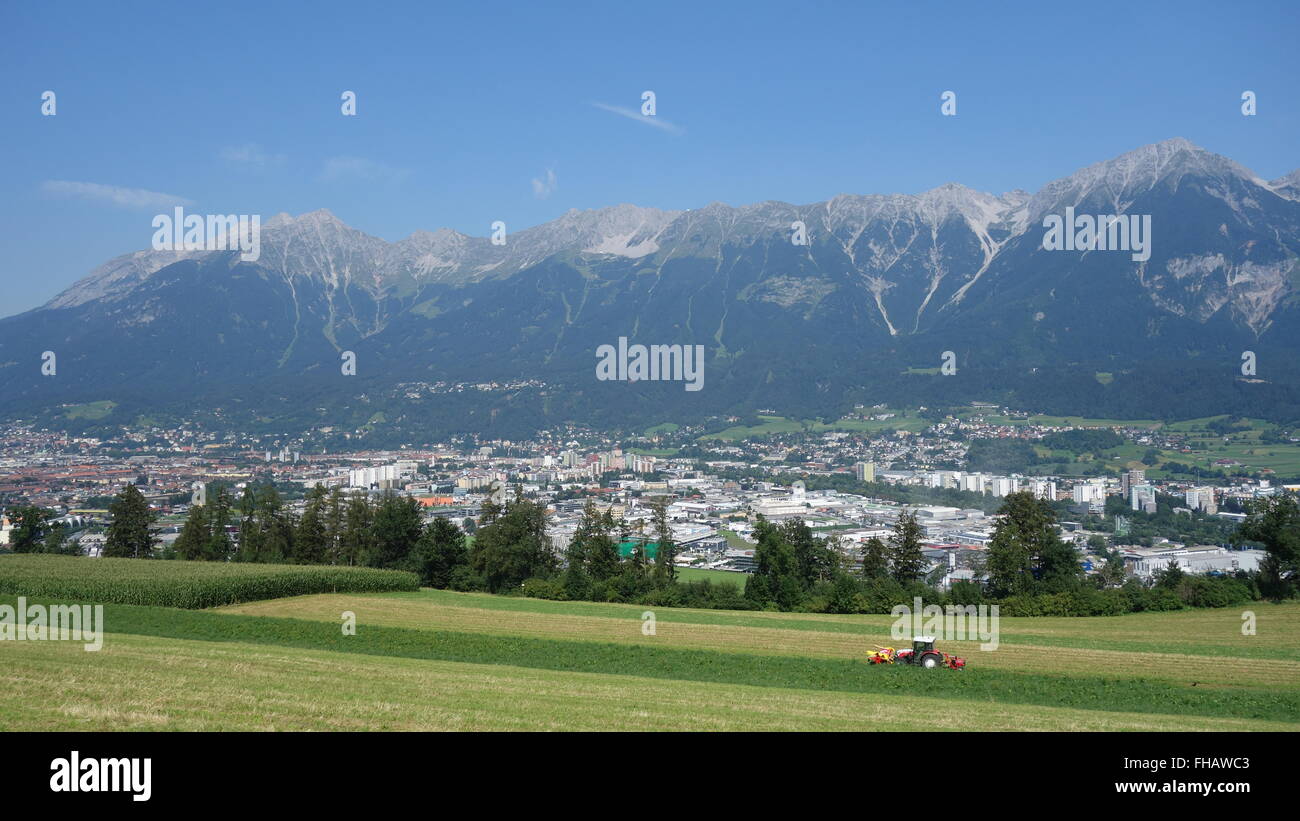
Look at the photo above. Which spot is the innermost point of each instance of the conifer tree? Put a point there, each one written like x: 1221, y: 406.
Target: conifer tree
x: 905, y: 557
x: 128, y: 534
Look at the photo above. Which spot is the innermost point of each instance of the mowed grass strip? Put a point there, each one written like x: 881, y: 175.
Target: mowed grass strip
x: 183, y: 584
x: 666, y: 662
x: 429, y: 613
x: 152, y: 683
x: 1202, y: 632
x: 160, y: 684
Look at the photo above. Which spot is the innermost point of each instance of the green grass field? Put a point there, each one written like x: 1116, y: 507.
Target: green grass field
x: 663, y: 427
x: 90, y: 410
x: 1063, y: 421
x: 734, y: 540
x: 695, y: 574
x: 438, y: 660
x: 902, y: 420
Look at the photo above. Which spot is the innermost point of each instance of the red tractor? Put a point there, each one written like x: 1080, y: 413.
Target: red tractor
x: 922, y: 654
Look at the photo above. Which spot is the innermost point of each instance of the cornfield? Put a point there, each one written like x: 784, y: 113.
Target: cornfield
x: 189, y: 585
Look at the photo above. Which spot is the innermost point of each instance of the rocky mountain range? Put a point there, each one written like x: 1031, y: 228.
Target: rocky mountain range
x: 862, y: 312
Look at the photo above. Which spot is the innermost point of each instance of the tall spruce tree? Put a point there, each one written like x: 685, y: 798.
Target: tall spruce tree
x: 335, y: 515
x: 875, y: 561
x: 906, y: 561
x: 192, y: 543
x: 276, y: 526
x: 815, y: 560
x: 666, y: 548
x: 397, y: 528
x: 309, y: 545
x: 439, y: 552
x: 220, y: 547
x: 356, y: 541
x: 129, y: 534
x: 1026, y: 554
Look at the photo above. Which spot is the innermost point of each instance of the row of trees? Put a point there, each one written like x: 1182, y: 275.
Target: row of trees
x: 388, y: 532
x: 1026, y: 556
x: 1027, y: 566
x: 511, y: 550
x: 1027, y: 562
x: 798, y: 571
x: 510, y: 544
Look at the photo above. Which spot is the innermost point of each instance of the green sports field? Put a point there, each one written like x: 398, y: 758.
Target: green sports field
x: 438, y: 660
x: 697, y: 574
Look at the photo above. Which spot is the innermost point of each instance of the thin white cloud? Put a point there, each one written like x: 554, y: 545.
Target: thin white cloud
x: 114, y: 194
x: 655, y: 121
x: 545, y: 185
x: 359, y: 168
x: 250, y: 155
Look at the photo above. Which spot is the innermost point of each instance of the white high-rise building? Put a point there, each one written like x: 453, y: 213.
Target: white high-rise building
x: 1004, y: 485
x: 1089, y: 493
x: 1043, y: 489
x: 1143, y: 498
x: 373, y: 476
x: 1202, y: 498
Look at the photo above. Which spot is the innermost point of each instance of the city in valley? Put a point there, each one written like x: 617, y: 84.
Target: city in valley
x: 1118, y: 488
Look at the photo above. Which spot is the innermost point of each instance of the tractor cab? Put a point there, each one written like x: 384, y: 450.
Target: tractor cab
x: 921, y: 654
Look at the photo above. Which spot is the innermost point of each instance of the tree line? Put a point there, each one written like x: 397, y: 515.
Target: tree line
x: 388, y: 532
x: 1028, y: 568
x: 510, y: 548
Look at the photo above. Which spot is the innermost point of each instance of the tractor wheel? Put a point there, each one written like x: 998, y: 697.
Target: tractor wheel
x: 930, y: 661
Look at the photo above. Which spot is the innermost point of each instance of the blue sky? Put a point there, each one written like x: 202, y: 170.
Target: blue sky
x: 235, y: 108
